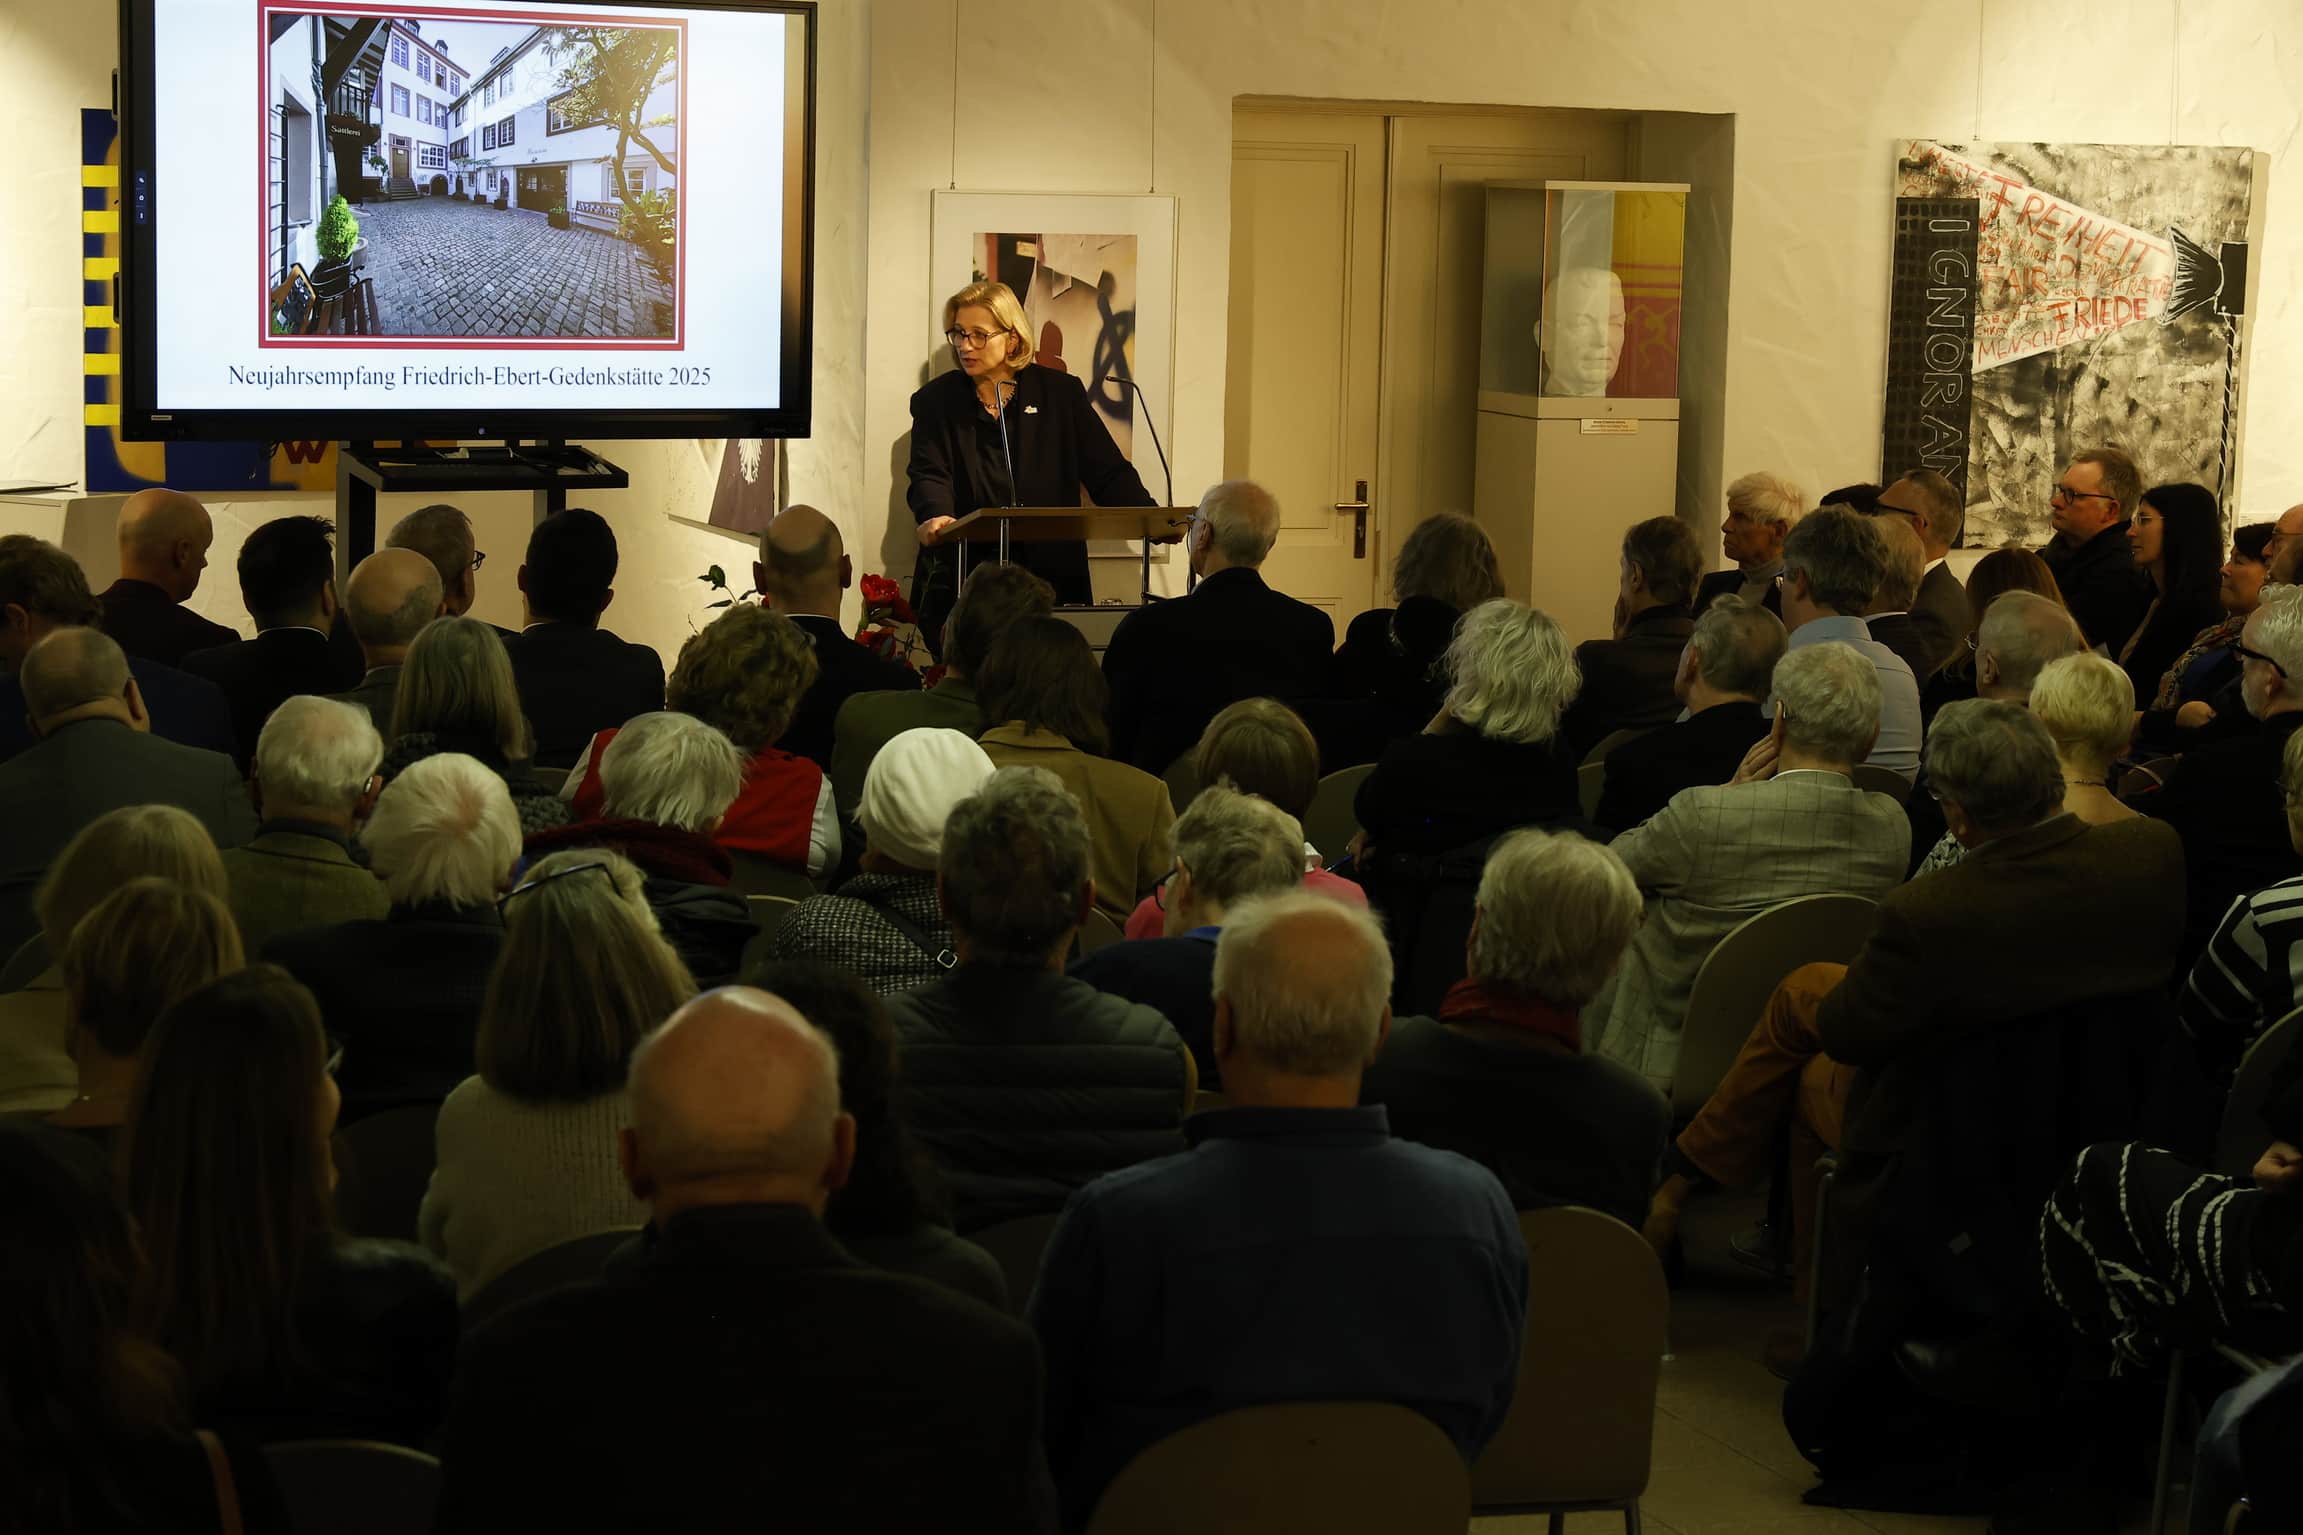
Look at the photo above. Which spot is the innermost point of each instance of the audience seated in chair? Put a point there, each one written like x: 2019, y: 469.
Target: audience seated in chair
x: 527, y: 1146
x: 1388, y: 677
x: 442, y: 534
x: 1762, y: 509
x: 98, y: 1424
x: 1492, y: 758
x: 95, y: 754
x: 288, y: 581
x: 2197, y: 697
x: 1229, y: 847
x: 42, y: 589
x: 1939, y: 609
x: 391, y: 596
x: 144, y: 947
x: 2020, y: 635
x: 777, y: 1371
x: 996, y: 596
x: 37, y: 1070
x: 1627, y: 679
x: 2251, y: 974
x: 315, y: 783
x: 1044, y: 701
x: 403, y: 991
x: 885, y: 924
x: 1890, y: 618
x: 893, y: 1212
x: 575, y: 678
x: 1834, y: 562
x: 743, y: 675
x: 456, y: 694
x: 1262, y: 747
x: 666, y: 782
x: 285, y: 1329
x: 164, y: 539
x: 1024, y: 1082
x: 802, y: 570
x: 1502, y: 1075
x: 2223, y: 797
x: 1173, y: 664
x: 1791, y: 823
x: 2177, y: 537
x: 1994, y: 576
x: 2013, y: 931
x: 1298, y: 1251
x: 1725, y: 669
x: 2092, y: 503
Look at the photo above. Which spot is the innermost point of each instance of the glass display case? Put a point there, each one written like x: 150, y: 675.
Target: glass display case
x: 1581, y: 292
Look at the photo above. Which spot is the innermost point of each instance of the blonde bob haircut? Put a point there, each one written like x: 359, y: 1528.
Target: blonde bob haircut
x: 1511, y: 673
x: 1000, y: 299
x: 120, y: 845
x: 2087, y: 704
x: 457, y: 681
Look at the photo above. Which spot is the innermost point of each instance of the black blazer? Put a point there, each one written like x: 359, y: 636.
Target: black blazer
x: 577, y: 680
x: 1900, y: 632
x: 1431, y: 793
x: 1174, y: 665
x: 843, y: 669
x: 1702, y: 749
x: 1726, y: 583
x: 261, y: 674
x: 1627, y: 681
x: 779, y: 1376
x: 1943, y: 616
x: 2167, y: 632
x: 2101, y: 586
x: 959, y: 464
x: 2223, y: 799
x: 1388, y: 680
x: 145, y: 621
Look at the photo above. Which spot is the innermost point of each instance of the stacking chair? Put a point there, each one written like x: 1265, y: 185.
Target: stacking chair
x: 755, y: 875
x: 1099, y: 931
x: 1294, y: 1468
x: 2240, y: 1141
x: 1331, y: 821
x: 1017, y: 1246
x: 354, y: 1487
x: 383, y: 1165
x: 1590, y: 784
x: 1182, y: 779
x: 1732, y: 988
x: 1879, y: 780
x: 1581, y: 1430
x: 560, y: 1264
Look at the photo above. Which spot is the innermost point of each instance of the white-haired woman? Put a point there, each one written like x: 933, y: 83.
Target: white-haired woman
x: 457, y: 695
x: 402, y: 991
x: 1491, y: 759
x: 1004, y: 430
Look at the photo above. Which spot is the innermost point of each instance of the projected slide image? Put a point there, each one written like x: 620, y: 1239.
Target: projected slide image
x: 445, y: 178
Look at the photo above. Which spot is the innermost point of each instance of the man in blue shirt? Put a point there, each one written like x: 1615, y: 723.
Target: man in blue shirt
x: 1833, y: 564
x: 1297, y: 1252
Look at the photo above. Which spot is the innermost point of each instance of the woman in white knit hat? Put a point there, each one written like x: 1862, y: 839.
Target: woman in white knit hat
x: 885, y: 924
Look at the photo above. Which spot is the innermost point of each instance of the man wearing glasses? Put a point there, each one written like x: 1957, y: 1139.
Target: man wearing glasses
x: 1936, y: 511
x: 2093, y: 563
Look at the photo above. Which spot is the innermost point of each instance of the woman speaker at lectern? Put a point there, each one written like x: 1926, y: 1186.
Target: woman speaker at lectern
x: 1004, y: 431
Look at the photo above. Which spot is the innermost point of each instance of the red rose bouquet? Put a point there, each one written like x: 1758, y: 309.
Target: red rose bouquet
x: 889, y: 628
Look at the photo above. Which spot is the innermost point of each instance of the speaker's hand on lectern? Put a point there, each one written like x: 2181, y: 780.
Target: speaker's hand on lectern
x: 932, y: 531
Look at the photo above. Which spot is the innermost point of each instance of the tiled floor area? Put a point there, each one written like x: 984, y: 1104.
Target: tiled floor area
x: 1723, y: 1463
x: 447, y: 268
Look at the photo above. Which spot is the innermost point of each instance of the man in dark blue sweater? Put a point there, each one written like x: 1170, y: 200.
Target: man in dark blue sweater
x: 1297, y: 1252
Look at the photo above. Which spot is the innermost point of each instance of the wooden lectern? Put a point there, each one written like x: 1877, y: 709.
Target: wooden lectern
x: 1001, y: 525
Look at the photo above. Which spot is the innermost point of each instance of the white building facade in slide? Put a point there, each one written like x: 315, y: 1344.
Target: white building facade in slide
x: 511, y: 136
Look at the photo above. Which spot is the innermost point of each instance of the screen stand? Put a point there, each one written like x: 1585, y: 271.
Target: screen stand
x: 548, y: 470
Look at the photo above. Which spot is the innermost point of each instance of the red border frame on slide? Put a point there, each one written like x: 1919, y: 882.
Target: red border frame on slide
x: 264, y: 337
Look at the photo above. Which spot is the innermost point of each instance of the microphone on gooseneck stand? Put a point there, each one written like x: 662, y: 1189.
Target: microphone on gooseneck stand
x: 1125, y: 382
x: 1007, y: 447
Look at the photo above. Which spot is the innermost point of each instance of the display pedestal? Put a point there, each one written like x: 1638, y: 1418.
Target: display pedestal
x: 548, y: 470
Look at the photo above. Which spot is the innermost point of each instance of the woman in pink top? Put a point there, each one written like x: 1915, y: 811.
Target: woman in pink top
x: 1260, y: 747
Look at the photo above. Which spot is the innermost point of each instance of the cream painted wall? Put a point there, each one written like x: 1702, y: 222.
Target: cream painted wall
x: 1061, y: 99
x: 56, y: 58
x: 1134, y: 95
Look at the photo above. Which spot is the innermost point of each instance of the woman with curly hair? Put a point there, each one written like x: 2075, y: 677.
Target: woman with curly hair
x: 744, y: 675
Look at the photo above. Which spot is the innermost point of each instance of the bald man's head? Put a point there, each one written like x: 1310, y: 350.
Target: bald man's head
x: 736, y: 1100
x: 76, y: 674
x: 164, y: 539
x: 2020, y: 633
x: 393, y: 593
x: 803, y: 565
x: 442, y: 534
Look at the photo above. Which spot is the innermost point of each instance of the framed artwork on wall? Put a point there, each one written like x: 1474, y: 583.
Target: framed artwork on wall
x: 1096, y: 276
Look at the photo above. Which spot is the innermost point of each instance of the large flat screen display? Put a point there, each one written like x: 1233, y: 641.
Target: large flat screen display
x: 477, y: 219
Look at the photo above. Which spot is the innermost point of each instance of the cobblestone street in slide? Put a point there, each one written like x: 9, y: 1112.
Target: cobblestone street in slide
x: 446, y: 268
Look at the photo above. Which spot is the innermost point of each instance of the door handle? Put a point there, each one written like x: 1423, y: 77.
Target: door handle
x: 1358, y: 509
